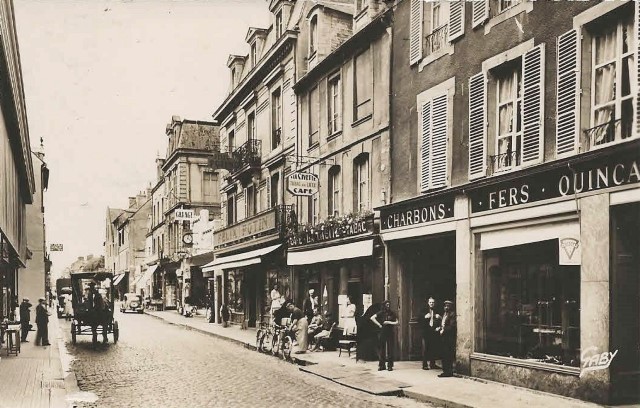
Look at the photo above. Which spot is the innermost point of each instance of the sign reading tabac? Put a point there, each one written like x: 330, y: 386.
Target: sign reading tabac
x: 303, y: 184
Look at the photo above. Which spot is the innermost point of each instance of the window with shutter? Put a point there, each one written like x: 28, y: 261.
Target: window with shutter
x: 567, y: 97
x: 415, y: 31
x: 479, y: 11
x: 433, y: 148
x: 477, y: 126
x: 456, y: 19
x: 532, y: 105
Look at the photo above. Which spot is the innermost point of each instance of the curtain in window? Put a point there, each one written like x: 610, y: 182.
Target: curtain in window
x: 505, y: 93
x: 605, y: 77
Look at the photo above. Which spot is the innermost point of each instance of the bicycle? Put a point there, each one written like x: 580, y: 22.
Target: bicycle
x: 283, y: 342
x: 263, y: 338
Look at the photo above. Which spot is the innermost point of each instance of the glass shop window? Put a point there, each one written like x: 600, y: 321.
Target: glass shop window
x: 531, y: 305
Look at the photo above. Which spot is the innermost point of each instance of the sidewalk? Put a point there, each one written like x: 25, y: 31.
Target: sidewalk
x: 35, y: 377
x: 407, y: 379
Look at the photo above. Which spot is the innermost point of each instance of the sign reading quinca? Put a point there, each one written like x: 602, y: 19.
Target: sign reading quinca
x: 303, y: 184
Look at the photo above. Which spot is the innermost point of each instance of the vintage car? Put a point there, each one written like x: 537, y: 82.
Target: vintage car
x: 132, y: 303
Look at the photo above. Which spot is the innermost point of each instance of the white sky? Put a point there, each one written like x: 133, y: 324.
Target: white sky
x: 102, y: 79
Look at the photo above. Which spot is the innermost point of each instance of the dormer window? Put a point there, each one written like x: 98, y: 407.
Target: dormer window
x: 254, y: 54
x: 313, y: 35
x: 360, y: 5
x: 279, y: 27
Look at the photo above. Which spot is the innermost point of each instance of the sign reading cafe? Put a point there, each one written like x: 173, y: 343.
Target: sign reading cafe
x: 303, y: 184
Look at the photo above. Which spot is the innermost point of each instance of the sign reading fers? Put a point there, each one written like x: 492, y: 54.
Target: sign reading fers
x: 596, y: 174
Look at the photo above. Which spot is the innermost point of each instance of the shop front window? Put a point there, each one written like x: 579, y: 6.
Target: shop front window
x: 234, y: 291
x: 275, y: 277
x: 532, y: 305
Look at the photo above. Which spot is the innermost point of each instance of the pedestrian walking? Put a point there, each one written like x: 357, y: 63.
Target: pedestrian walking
x: 386, y: 320
x: 42, y: 323
x: 300, y: 326
x: 448, y: 334
x: 25, y: 317
x: 307, y: 305
x: 430, y: 322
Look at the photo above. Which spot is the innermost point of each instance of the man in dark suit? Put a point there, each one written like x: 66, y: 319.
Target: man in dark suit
x: 42, y: 322
x: 448, y: 334
x: 386, y: 320
x: 430, y: 322
x: 25, y: 317
x: 308, y: 305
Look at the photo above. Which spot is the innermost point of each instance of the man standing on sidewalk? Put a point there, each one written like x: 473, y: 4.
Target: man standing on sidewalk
x: 25, y: 317
x: 42, y: 322
x: 386, y: 320
x: 448, y: 333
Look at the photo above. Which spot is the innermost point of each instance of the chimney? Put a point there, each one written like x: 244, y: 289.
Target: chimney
x: 132, y: 202
x: 140, y: 199
x: 81, y: 258
x: 159, y: 164
x: 89, y: 257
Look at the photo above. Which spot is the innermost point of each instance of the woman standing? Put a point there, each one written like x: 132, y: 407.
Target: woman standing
x: 350, y: 326
x: 300, y: 325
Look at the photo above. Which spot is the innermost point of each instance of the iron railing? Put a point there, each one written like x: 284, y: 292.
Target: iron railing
x: 437, y: 39
x: 609, y: 132
x: 247, y: 155
x: 504, y: 161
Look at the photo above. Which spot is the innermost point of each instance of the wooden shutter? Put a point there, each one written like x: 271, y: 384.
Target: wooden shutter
x: 567, y: 101
x: 456, y: 19
x: 415, y: 31
x: 425, y: 145
x: 480, y: 12
x: 637, y: 18
x: 268, y: 188
x: 477, y: 126
x: 439, y: 135
x: 532, y: 105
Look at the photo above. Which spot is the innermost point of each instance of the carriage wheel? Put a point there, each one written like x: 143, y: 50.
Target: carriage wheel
x: 73, y: 333
x: 287, y: 345
x: 116, y: 332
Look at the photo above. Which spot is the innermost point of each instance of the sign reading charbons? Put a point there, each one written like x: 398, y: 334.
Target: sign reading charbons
x: 303, y: 184
x: 423, y: 211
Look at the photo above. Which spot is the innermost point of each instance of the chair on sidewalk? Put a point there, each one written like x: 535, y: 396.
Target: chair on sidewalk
x: 347, y: 342
x: 13, y: 339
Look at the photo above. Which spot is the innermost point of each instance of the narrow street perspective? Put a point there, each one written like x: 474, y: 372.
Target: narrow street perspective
x: 155, y: 364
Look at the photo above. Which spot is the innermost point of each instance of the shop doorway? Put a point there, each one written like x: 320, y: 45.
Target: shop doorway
x: 625, y: 303
x: 251, y: 296
x: 428, y: 269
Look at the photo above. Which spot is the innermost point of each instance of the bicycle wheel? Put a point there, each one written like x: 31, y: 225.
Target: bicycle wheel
x: 259, y: 336
x: 275, y: 344
x: 287, y: 345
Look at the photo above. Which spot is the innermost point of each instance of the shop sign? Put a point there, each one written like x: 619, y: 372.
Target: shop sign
x: 303, y: 184
x: 566, y: 181
x: 182, y: 214
x: 570, y: 251
x: 593, y: 360
x: 424, y: 211
x: 246, y: 229
x: 56, y: 247
x: 343, y: 227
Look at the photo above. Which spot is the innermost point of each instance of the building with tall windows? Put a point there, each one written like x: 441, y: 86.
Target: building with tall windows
x: 258, y: 128
x: 514, y: 189
x: 16, y: 165
x: 343, y: 143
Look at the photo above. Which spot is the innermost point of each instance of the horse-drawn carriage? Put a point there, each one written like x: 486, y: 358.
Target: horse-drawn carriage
x: 93, y: 305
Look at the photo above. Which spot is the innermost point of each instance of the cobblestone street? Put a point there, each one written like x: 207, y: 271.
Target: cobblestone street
x: 155, y: 364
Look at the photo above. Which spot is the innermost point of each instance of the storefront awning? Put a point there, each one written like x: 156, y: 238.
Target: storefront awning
x: 147, y: 275
x: 331, y: 253
x: 524, y: 235
x: 239, y: 260
x: 118, y: 278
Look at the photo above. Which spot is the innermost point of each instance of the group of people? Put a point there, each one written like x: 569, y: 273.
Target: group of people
x: 439, y: 336
x: 42, y: 321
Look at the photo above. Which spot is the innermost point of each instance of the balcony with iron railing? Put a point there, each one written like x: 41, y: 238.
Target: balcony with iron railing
x: 504, y: 162
x: 436, y: 40
x: 608, y: 133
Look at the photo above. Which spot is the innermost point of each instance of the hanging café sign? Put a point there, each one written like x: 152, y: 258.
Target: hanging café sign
x: 303, y: 184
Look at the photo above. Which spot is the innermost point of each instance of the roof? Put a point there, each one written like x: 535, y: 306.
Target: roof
x: 342, y: 6
x: 192, y: 134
